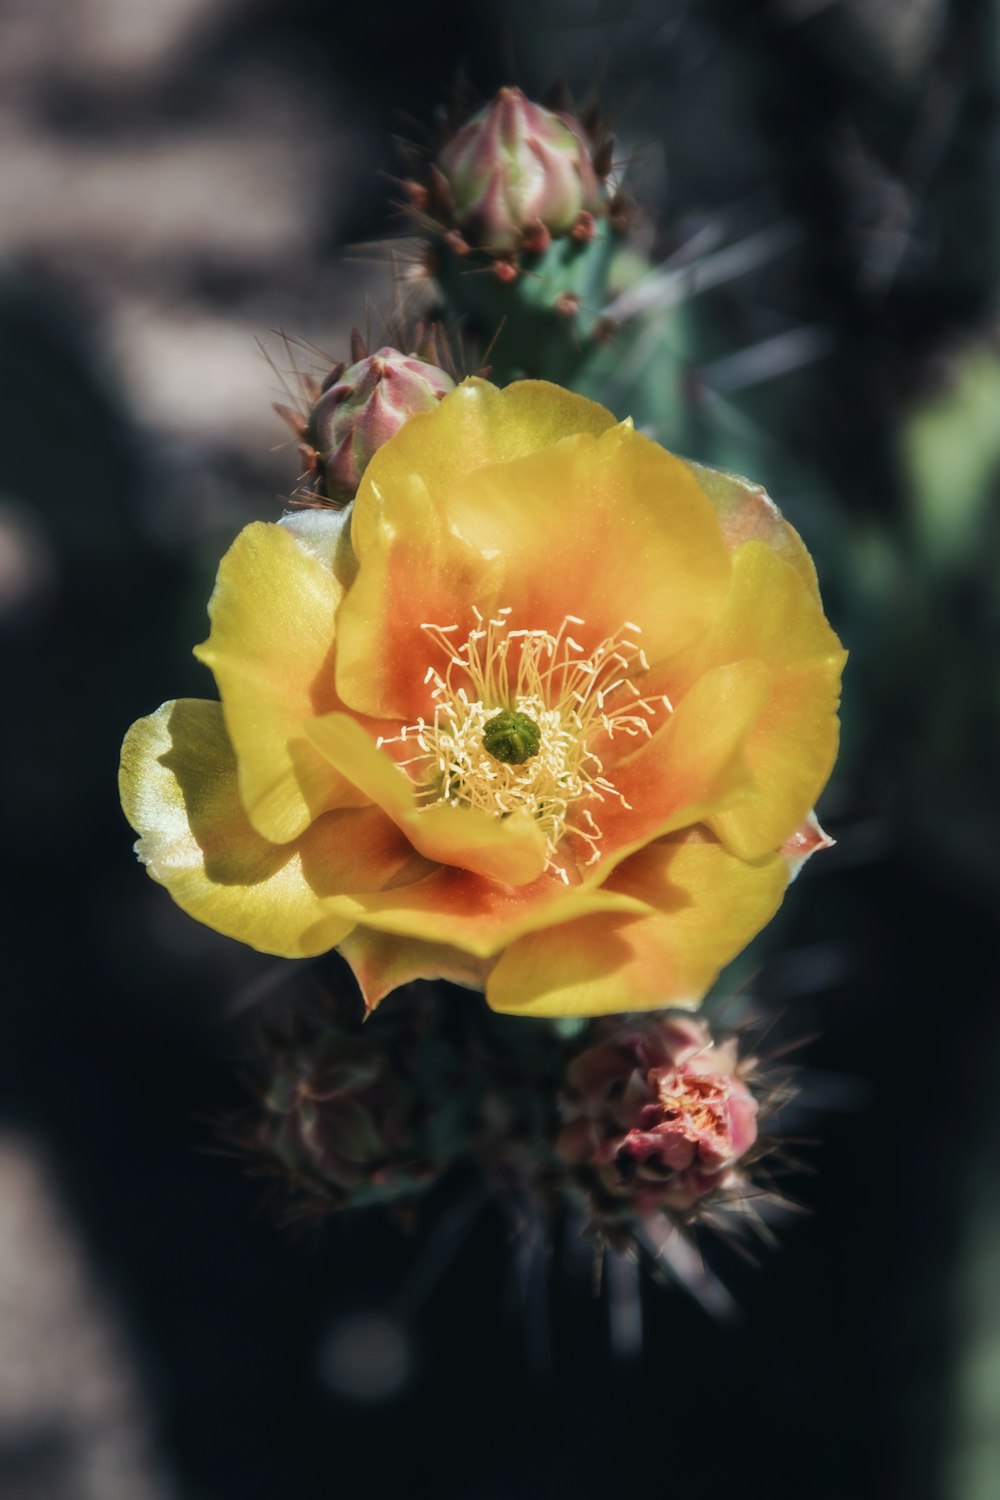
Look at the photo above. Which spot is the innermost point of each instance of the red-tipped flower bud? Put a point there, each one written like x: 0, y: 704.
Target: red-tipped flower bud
x: 364, y: 408
x: 516, y: 168
x: 657, y: 1116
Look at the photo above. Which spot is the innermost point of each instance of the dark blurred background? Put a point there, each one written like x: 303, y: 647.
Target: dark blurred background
x: 177, y: 179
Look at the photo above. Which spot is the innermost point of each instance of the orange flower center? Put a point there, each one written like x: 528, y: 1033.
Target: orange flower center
x: 697, y: 1099
x: 576, y: 699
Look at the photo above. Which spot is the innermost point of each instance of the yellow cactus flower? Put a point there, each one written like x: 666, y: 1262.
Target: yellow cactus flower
x: 557, y: 733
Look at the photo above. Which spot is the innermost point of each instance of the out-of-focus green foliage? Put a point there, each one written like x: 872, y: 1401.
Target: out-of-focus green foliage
x: 950, y: 456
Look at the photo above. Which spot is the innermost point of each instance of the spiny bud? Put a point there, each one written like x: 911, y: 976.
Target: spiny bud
x: 334, y: 1116
x: 364, y: 407
x: 517, y: 172
x: 344, y: 1114
x: 656, y: 1116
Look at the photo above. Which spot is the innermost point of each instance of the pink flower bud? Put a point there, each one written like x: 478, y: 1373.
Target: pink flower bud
x: 364, y: 408
x: 658, y: 1114
x: 516, y: 169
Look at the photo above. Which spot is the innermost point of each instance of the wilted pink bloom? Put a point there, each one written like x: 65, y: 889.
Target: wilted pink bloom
x: 659, y: 1112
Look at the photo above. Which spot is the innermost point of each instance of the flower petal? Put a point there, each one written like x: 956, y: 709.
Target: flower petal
x: 476, y: 424
x: 692, y: 767
x: 708, y: 905
x: 598, y: 522
x: 771, y: 616
x: 326, y: 535
x: 412, y: 573
x: 271, y: 648
x: 511, y: 849
x: 808, y: 839
x: 747, y: 513
x: 461, y: 910
x: 382, y: 962
x: 611, y: 529
x: 179, y: 791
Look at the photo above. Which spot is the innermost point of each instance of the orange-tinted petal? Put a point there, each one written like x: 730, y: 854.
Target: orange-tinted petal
x: 464, y: 911
x: 511, y: 849
x: 271, y: 650
x: 179, y: 791
x: 692, y: 767
x: 708, y: 905
x: 413, y: 570
x: 475, y: 425
x: 609, y: 527
x: 412, y: 573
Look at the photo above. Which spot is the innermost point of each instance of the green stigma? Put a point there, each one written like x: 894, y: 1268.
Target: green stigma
x: 512, y: 737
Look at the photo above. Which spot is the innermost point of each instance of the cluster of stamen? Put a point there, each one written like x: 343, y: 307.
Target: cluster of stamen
x: 574, y: 698
x: 696, y: 1098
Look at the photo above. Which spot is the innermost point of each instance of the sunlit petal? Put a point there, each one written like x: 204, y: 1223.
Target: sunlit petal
x: 271, y: 651
x: 771, y: 616
x: 705, y: 904
x: 179, y: 791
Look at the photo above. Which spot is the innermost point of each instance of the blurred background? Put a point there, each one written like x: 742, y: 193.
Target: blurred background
x: 179, y: 178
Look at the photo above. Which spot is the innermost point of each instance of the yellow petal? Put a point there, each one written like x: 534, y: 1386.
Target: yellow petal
x: 771, y: 616
x: 708, y: 905
x: 594, y: 521
x: 179, y: 791
x: 475, y: 424
x: 271, y: 650
x: 412, y: 573
x: 747, y: 513
x: 610, y: 529
x: 382, y: 962
x: 690, y: 769
x: 511, y: 849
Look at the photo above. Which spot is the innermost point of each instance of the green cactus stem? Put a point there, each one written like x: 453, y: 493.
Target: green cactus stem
x: 537, y: 319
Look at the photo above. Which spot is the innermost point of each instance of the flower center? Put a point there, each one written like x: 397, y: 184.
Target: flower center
x: 511, y: 737
x: 518, y: 717
x: 696, y: 1101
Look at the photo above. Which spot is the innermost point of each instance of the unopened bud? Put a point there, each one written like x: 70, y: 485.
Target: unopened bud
x: 365, y: 407
x: 516, y: 168
x: 342, y: 1115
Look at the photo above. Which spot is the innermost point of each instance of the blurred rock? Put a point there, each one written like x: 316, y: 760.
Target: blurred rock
x: 104, y: 41
x: 183, y: 217
x: 72, y: 1417
x: 27, y: 564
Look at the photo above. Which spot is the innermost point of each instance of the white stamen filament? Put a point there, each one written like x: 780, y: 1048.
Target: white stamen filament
x: 570, y: 696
